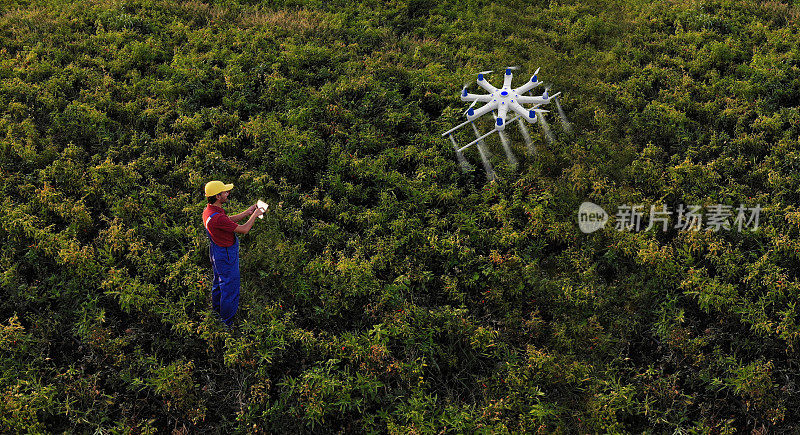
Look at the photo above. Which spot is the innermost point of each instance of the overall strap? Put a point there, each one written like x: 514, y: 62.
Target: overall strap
x: 208, y: 233
x: 209, y: 219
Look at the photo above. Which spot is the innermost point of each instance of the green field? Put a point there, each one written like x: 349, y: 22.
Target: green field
x: 387, y: 291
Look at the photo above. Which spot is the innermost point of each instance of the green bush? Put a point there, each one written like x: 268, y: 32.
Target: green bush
x: 386, y: 290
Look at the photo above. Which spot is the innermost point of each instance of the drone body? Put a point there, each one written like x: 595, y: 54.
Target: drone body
x: 506, y: 98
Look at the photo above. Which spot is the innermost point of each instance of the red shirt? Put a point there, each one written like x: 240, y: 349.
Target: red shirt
x: 220, y: 226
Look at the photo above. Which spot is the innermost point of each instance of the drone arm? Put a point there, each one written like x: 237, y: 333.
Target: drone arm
x: 521, y: 111
x: 527, y: 86
x: 482, y: 82
x: 532, y: 100
x: 500, y: 122
x: 474, y: 97
x: 486, y: 108
x: 507, y: 79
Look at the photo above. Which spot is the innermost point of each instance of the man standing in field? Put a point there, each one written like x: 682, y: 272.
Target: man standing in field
x: 224, y: 248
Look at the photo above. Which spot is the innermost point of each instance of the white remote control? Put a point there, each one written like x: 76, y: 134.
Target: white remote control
x: 263, y: 206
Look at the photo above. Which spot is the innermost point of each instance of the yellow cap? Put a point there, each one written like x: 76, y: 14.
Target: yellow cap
x: 215, y: 187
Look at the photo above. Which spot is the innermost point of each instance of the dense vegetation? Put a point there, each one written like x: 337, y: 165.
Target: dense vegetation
x: 387, y: 291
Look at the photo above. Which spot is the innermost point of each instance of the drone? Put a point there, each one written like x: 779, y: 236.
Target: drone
x: 504, y: 99
x: 498, y: 102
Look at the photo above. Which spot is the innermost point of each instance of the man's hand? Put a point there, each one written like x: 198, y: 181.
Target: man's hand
x: 245, y: 228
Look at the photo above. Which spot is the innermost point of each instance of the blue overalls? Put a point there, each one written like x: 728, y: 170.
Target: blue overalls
x: 225, y: 288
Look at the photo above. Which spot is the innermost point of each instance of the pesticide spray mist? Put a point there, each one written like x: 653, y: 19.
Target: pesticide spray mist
x: 512, y: 160
x: 564, y: 122
x: 546, y: 129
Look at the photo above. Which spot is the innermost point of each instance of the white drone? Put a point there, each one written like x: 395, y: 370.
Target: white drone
x: 506, y: 98
x: 499, y: 102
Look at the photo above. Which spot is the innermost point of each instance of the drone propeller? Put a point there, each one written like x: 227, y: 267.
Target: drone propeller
x: 486, y: 72
x: 554, y: 96
x: 484, y: 83
x: 546, y: 94
x: 532, y: 83
x: 470, y: 106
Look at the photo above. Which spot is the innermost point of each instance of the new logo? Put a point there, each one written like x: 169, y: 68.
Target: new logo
x: 591, y: 217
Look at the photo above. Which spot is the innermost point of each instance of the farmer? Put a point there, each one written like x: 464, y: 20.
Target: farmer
x: 224, y: 249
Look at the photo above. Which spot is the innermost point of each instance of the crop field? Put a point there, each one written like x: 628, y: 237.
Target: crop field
x: 387, y: 290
